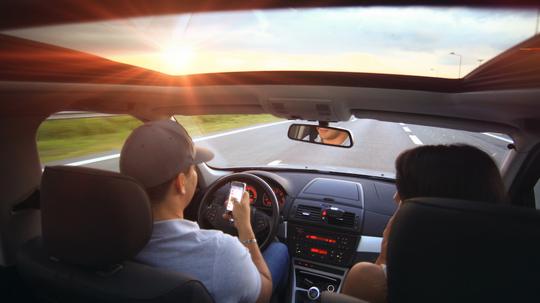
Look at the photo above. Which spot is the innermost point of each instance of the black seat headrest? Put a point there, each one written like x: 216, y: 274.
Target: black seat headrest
x: 92, y: 217
x: 443, y: 250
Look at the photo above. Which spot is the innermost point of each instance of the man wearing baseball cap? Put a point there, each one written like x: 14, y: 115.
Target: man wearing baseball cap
x: 162, y: 157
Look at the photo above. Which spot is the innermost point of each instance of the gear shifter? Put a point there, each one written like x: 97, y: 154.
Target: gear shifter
x: 313, y: 293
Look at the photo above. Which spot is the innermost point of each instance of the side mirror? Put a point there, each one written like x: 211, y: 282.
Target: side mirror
x: 323, y: 135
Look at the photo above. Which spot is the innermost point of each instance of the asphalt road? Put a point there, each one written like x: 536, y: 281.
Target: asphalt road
x: 376, y: 145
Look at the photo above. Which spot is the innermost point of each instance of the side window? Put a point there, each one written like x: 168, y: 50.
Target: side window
x: 84, y: 139
x: 536, y: 190
x: 95, y: 140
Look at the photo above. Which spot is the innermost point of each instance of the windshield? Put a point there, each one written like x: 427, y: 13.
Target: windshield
x: 254, y: 141
x: 436, y: 42
x: 376, y: 146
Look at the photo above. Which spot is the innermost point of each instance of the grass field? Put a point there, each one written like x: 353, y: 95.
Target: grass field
x: 70, y: 138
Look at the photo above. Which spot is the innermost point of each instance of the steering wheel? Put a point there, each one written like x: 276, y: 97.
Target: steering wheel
x: 211, y: 210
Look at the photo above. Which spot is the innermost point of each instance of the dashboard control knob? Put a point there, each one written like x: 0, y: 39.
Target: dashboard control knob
x: 331, y: 288
x: 313, y: 293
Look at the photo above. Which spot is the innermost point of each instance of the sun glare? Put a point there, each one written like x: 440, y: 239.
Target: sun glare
x: 177, y: 58
x: 372, y: 40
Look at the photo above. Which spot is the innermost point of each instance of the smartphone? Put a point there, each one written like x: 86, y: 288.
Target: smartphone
x: 237, y: 190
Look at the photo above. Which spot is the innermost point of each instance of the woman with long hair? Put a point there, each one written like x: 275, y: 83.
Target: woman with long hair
x: 456, y: 171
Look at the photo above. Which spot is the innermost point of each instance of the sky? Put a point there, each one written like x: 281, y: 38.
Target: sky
x: 411, y: 41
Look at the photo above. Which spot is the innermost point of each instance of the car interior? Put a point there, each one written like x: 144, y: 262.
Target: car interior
x: 69, y: 233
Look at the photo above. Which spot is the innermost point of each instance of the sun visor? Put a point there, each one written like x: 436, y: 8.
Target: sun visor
x: 307, y: 109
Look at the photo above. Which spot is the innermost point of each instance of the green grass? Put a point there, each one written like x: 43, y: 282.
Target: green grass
x: 70, y: 138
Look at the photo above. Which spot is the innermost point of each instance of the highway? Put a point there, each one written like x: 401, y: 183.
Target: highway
x: 376, y: 145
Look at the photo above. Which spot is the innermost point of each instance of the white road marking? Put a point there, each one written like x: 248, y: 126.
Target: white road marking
x: 498, y: 137
x: 415, y: 140
x: 401, y: 124
x: 275, y: 162
x: 113, y: 156
x: 239, y: 131
x: 407, y: 129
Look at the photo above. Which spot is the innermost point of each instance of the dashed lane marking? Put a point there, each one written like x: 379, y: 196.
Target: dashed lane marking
x: 415, y: 140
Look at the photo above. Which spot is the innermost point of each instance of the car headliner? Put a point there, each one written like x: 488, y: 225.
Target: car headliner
x: 26, y: 13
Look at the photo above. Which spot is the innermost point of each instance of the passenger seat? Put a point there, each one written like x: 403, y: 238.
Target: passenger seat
x: 444, y: 250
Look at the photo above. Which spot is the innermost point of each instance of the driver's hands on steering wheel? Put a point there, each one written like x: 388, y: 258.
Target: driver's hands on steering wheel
x: 251, y: 225
x: 241, y: 213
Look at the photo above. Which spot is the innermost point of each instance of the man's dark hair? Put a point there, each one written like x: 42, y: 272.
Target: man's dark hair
x: 456, y: 171
x: 159, y: 192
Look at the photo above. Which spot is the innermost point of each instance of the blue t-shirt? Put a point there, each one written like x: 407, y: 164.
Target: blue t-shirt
x: 216, y: 259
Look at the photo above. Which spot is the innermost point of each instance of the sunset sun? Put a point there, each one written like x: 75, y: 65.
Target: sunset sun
x: 177, y: 57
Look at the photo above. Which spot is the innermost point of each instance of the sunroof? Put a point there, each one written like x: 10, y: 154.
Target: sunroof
x: 436, y: 42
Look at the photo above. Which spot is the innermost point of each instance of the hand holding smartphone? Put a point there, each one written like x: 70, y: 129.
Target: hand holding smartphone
x: 237, y: 190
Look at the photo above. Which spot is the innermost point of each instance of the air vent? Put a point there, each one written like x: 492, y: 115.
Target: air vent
x: 348, y: 220
x: 309, y: 213
x: 337, y: 218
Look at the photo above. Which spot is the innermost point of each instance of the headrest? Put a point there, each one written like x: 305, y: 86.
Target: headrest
x: 443, y: 250
x: 92, y: 217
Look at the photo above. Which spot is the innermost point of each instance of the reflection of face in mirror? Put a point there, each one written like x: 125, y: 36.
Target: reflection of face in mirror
x: 332, y: 136
x: 320, y: 135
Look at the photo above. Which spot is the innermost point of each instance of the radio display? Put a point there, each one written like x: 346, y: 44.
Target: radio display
x: 321, y: 239
x: 319, y: 251
x: 322, y: 246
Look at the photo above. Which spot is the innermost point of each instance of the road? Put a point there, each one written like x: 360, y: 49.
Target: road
x: 376, y: 145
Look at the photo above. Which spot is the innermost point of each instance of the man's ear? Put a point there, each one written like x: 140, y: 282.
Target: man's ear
x: 180, y: 183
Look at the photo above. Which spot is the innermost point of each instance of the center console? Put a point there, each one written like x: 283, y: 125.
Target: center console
x: 332, y: 248
x: 324, y: 228
x: 320, y: 260
x: 312, y: 278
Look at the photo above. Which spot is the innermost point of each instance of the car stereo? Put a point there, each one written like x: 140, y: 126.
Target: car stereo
x: 317, y: 245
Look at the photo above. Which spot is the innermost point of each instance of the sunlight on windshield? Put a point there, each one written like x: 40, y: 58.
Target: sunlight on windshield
x: 437, y: 42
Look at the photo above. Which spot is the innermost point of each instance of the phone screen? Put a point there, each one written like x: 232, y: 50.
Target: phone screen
x: 237, y: 190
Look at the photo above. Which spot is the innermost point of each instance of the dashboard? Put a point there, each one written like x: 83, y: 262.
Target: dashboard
x: 369, y: 199
x: 328, y: 221
x: 258, y: 197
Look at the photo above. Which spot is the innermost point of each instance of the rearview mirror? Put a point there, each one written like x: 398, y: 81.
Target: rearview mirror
x: 320, y: 135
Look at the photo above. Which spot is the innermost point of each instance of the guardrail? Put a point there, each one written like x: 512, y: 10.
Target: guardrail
x: 77, y: 115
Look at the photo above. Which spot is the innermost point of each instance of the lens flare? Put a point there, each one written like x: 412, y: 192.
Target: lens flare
x: 176, y: 58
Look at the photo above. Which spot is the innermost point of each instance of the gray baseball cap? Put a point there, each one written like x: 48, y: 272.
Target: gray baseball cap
x: 157, y: 151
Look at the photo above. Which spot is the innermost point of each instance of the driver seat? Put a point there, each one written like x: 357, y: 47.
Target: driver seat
x: 93, y: 223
